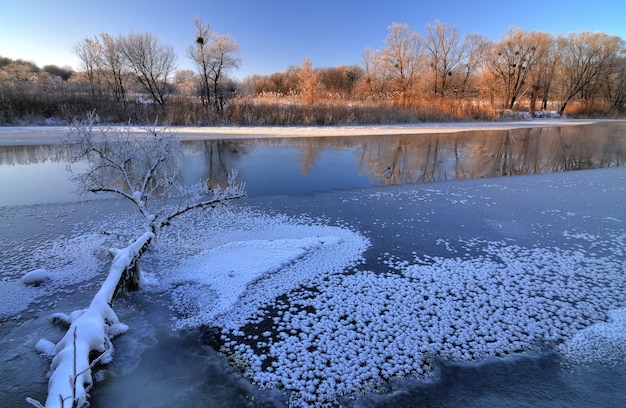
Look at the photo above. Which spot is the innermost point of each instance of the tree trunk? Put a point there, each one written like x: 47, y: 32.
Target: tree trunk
x: 90, y: 333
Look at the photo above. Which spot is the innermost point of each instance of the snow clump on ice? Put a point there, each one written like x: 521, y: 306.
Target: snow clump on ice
x: 297, y: 313
x: 36, y: 277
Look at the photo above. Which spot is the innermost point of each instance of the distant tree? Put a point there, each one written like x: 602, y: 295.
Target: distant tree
x: 445, y: 52
x: 111, y: 64
x: 88, y: 52
x: 186, y: 82
x: 543, y: 81
x: 215, y: 55
x: 19, y: 71
x: 402, y: 54
x: 586, y: 59
x: 280, y: 83
x: 62, y: 72
x: 475, y: 47
x: 5, y: 61
x: 616, y: 84
x: 339, y: 80
x: 152, y: 62
x: 376, y: 73
x: 308, y: 84
x: 513, y: 59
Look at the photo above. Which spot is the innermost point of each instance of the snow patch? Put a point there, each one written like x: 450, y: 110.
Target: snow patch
x: 230, y: 268
x: 36, y: 277
x: 603, y: 342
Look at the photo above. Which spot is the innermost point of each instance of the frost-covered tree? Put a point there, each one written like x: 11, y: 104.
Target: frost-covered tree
x: 141, y: 167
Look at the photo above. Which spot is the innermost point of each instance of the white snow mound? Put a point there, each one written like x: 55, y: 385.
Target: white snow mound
x: 36, y: 277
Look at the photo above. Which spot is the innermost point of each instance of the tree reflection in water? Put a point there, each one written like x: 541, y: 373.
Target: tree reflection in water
x: 389, y: 160
x: 406, y: 159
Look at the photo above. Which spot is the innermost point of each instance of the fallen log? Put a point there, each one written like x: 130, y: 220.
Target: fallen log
x: 89, y: 334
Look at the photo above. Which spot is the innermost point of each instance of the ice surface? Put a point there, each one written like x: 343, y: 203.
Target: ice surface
x: 301, y: 308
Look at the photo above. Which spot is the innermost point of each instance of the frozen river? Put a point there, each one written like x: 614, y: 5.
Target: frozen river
x: 389, y: 271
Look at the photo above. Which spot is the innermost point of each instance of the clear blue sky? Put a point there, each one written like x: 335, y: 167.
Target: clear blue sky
x: 274, y: 34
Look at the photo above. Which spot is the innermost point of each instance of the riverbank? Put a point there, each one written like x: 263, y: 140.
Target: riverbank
x: 28, y: 135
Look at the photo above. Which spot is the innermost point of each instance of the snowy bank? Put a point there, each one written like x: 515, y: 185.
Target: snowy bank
x: 12, y: 136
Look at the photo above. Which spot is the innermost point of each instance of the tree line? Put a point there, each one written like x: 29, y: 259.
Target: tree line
x: 435, y: 75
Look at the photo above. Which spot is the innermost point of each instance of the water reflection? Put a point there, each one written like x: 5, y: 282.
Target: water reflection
x: 294, y: 166
x: 387, y: 160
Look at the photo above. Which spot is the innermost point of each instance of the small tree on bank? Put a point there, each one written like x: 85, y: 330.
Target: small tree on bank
x: 141, y: 167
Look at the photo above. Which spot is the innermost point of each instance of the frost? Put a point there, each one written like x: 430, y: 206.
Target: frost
x: 36, y: 277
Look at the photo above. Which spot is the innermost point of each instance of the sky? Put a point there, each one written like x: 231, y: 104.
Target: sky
x: 275, y: 34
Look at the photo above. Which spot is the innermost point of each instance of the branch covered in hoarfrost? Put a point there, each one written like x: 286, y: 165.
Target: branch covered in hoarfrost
x: 217, y: 196
x: 90, y: 331
x: 141, y: 166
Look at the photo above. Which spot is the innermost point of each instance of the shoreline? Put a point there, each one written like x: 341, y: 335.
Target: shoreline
x: 28, y: 135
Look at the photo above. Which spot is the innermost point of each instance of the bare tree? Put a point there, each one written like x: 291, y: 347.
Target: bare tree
x: 215, y: 55
x: 198, y: 52
x: 111, y: 64
x: 616, y: 84
x: 541, y: 74
x: 476, y: 47
x: 547, y: 69
x: 511, y: 61
x: 402, y: 53
x: 87, y: 51
x: 445, y: 51
x: 151, y: 61
x: 142, y: 169
x: 585, y: 58
x: 376, y: 73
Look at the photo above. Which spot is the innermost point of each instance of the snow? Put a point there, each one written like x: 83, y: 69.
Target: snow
x: 35, y: 277
x: 603, y: 342
x: 297, y: 307
x: 10, y: 135
x: 301, y: 310
x: 90, y: 330
x: 230, y: 268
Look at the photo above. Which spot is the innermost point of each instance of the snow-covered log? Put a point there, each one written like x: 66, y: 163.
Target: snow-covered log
x: 89, y: 335
x: 141, y: 168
